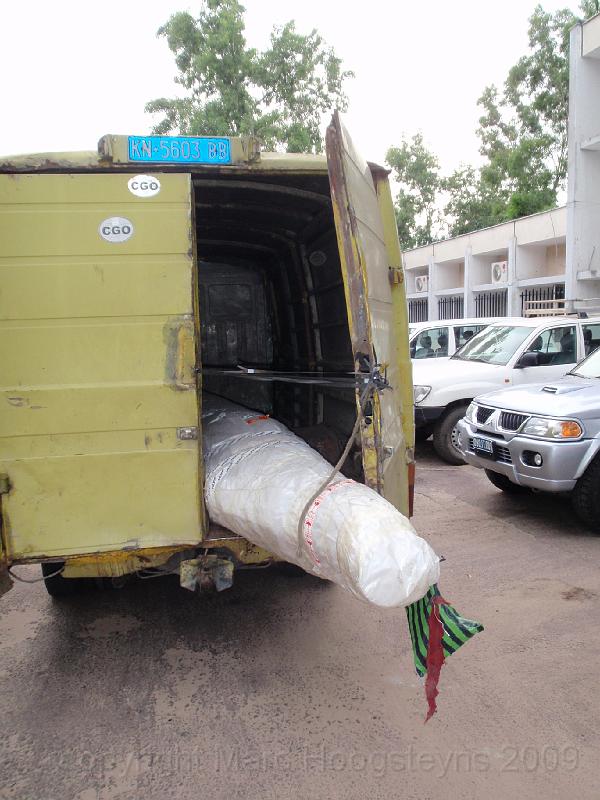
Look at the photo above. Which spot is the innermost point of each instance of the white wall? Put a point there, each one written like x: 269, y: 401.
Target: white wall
x: 533, y: 247
x: 583, y: 223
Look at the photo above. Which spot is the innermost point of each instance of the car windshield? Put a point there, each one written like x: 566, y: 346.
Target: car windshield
x: 494, y: 345
x: 589, y: 367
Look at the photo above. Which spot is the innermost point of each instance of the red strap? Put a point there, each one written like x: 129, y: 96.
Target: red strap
x: 309, y: 519
x: 435, y: 655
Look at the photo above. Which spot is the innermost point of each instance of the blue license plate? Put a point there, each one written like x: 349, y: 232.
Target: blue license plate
x: 483, y: 445
x: 179, y: 149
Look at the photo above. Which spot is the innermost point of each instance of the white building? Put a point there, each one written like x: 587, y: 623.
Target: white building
x: 551, y: 258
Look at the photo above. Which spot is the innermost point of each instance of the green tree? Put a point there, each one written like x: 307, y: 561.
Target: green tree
x: 469, y: 205
x: 279, y: 94
x: 523, y: 140
x: 417, y: 172
x: 523, y: 132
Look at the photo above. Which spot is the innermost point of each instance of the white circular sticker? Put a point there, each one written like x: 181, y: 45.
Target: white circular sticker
x: 116, y: 229
x: 143, y: 185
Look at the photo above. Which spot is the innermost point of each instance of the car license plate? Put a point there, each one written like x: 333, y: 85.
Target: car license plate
x: 485, y: 446
x: 180, y: 149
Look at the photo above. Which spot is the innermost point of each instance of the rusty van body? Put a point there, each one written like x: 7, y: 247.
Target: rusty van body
x: 132, y: 277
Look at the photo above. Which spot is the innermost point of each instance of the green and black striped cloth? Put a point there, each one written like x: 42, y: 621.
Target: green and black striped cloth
x: 457, y: 629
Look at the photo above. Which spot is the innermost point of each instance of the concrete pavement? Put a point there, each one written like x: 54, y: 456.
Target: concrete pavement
x: 287, y: 687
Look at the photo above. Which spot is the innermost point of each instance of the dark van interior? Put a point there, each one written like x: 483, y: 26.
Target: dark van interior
x: 271, y: 298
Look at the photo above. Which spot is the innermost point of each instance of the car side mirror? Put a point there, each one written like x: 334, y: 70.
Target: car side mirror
x: 529, y: 359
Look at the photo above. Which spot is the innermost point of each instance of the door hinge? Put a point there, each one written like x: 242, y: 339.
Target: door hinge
x: 396, y: 275
x: 4, y: 484
x: 187, y: 434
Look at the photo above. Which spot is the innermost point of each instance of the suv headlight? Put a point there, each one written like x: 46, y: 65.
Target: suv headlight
x: 420, y: 393
x: 552, y: 428
x: 470, y: 413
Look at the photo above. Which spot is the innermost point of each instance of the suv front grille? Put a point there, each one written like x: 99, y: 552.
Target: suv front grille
x: 483, y: 414
x: 510, y: 421
x: 503, y: 455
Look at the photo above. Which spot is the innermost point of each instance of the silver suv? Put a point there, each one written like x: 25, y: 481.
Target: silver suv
x: 544, y: 436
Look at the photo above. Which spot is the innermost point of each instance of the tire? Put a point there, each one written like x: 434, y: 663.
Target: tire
x: 56, y: 585
x: 505, y: 484
x: 586, y: 498
x: 422, y: 434
x: 444, y: 436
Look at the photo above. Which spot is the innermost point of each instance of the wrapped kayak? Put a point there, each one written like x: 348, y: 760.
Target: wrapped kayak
x: 259, y: 478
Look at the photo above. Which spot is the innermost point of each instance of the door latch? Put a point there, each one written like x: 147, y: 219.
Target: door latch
x: 187, y: 434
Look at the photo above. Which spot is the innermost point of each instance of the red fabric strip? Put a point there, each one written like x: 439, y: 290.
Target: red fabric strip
x: 435, y: 655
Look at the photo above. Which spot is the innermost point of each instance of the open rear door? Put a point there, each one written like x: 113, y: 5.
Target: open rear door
x: 377, y: 331
x: 98, y: 402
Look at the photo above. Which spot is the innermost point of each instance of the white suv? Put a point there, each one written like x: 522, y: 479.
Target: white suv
x: 444, y: 337
x: 509, y: 352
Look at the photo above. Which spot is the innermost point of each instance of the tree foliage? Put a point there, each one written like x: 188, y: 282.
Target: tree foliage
x: 279, y: 94
x: 523, y: 141
x: 417, y: 172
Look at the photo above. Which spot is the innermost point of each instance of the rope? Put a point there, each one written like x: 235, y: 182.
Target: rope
x: 322, y: 486
x: 35, y: 580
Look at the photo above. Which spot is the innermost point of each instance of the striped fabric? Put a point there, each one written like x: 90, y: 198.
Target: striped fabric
x: 456, y: 629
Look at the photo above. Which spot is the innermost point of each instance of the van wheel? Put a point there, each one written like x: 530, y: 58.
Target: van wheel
x: 586, y: 498
x: 445, y: 436
x: 56, y: 585
x: 504, y: 484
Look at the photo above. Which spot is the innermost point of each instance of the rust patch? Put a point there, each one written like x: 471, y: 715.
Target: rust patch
x: 180, y: 361
x: 12, y: 166
x: 577, y: 593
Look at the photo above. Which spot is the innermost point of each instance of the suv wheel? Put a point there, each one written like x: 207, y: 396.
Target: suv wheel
x: 585, y: 496
x: 504, y: 484
x: 445, y: 436
x: 422, y: 434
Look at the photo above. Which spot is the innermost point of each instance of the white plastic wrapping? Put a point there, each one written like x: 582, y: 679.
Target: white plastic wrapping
x: 258, y: 478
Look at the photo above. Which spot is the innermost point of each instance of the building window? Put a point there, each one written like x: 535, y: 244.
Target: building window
x: 491, y: 304
x: 451, y: 307
x: 538, y: 296
x: 417, y: 310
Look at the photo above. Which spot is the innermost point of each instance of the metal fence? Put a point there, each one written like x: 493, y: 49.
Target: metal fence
x: 451, y: 307
x: 491, y: 304
x: 417, y: 310
x: 542, y: 294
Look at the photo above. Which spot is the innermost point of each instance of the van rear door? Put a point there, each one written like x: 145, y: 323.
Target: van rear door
x: 378, y: 322
x: 98, y: 402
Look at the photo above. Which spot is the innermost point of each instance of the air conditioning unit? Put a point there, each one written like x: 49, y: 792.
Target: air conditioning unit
x: 422, y: 283
x: 500, y: 272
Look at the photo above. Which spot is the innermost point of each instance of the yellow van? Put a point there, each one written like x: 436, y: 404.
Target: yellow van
x: 133, y: 277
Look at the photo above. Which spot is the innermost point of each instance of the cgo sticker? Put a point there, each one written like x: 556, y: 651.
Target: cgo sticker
x: 143, y: 185
x: 116, y: 229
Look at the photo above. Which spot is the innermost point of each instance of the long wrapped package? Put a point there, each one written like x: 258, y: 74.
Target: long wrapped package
x: 259, y: 477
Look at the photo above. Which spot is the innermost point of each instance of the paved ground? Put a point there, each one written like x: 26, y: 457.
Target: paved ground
x: 286, y: 687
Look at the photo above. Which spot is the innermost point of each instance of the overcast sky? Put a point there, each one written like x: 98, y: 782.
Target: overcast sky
x: 72, y: 71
